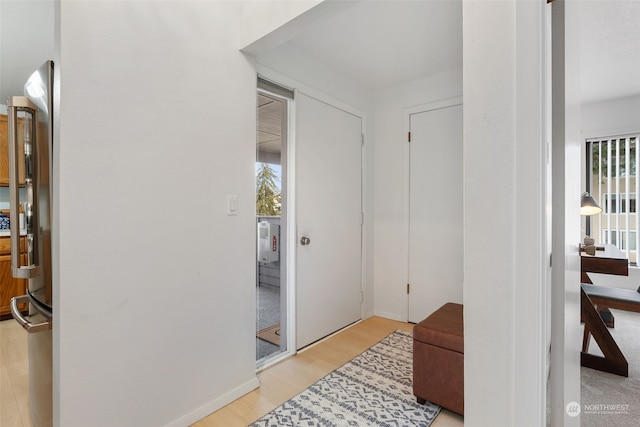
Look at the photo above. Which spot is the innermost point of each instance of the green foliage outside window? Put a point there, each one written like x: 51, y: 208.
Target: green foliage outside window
x: 268, y: 196
x: 600, y: 161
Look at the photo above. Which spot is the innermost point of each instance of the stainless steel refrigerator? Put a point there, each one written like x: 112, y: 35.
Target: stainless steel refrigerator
x: 30, y: 191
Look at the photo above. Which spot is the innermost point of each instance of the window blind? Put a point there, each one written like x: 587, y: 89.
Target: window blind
x: 612, y: 179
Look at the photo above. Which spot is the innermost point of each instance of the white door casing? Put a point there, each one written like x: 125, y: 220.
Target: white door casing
x: 435, y: 207
x: 329, y: 213
x: 567, y: 156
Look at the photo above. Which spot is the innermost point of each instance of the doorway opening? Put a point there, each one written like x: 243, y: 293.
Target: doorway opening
x: 271, y: 221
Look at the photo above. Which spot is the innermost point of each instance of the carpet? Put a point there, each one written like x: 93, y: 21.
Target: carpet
x: 270, y: 334
x: 608, y: 399
x: 372, y: 389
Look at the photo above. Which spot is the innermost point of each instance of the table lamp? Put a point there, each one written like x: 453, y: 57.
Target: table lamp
x: 588, y: 205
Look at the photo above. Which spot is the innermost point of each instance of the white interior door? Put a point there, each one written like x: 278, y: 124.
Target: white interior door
x: 329, y: 208
x: 435, y: 209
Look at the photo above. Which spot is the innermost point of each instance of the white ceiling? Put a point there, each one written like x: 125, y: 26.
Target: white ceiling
x: 269, y: 125
x: 610, y: 49
x: 382, y: 43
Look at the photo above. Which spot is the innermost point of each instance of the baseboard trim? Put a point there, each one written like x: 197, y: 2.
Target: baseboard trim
x: 387, y: 315
x: 211, y: 407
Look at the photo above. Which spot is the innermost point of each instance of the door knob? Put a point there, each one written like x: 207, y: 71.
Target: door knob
x: 305, y: 241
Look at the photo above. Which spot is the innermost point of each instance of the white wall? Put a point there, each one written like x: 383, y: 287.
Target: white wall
x: 291, y: 66
x: 155, y: 311
x: 489, y: 219
x: 504, y: 166
x: 390, y: 186
x: 611, y: 117
x: 26, y: 42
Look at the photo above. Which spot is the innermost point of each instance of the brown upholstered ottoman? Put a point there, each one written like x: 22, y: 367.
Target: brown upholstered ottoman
x: 438, y: 358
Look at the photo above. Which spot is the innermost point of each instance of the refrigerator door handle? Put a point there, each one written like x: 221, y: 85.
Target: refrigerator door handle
x: 23, y: 321
x: 31, y: 269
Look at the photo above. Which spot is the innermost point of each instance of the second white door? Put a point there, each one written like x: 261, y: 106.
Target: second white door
x: 435, y: 209
x: 328, y: 179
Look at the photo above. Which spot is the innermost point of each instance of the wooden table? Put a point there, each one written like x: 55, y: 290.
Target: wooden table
x: 608, y: 260
x: 595, y: 311
x: 612, y: 361
x: 611, y: 260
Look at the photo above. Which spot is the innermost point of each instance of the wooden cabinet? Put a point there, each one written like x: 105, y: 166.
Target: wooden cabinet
x: 4, y: 151
x: 9, y: 287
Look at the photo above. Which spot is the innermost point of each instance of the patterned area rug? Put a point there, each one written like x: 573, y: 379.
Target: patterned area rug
x: 372, y: 389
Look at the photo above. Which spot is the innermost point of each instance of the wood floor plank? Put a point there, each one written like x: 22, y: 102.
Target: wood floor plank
x: 278, y: 383
x: 14, y: 379
x: 284, y: 380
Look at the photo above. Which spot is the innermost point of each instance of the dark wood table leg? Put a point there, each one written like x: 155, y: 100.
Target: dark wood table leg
x: 613, y: 361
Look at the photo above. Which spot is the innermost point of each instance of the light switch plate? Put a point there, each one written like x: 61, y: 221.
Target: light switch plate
x: 232, y: 205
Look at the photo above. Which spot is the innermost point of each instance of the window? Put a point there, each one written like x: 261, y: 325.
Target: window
x: 622, y: 204
x: 610, y: 237
x: 632, y: 241
x: 619, y: 238
x: 612, y: 180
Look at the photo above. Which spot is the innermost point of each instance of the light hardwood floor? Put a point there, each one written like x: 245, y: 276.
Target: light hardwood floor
x: 277, y: 383
x: 14, y: 376
x: 280, y: 382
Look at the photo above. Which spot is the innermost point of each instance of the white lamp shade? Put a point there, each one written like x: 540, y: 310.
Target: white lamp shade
x: 588, y: 205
